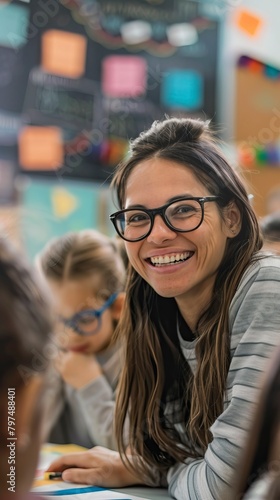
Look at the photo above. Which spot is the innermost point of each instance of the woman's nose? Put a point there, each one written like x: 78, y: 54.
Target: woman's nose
x: 160, y: 231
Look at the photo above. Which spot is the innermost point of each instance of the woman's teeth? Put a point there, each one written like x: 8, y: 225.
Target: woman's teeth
x: 170, y: 259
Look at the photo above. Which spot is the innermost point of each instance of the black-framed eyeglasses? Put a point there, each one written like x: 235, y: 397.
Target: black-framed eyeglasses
x: 181, y: 215
x: 88, y: 321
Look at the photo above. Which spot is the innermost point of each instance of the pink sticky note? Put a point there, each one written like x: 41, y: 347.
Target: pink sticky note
x: 124, y: 76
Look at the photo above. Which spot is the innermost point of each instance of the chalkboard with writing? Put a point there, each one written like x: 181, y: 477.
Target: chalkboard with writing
x: 90, y: 88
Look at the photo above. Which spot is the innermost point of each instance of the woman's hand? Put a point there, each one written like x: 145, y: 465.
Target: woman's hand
x: 98, y: 466
x: 77, y: 369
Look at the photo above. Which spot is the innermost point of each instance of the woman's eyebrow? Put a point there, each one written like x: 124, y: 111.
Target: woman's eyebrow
x: 170, y: 200
x: 180, y: 196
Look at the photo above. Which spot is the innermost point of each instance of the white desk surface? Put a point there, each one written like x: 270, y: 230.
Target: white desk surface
x: 145, y: 492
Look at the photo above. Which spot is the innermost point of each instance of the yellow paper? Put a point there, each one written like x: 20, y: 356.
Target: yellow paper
x: 50, y: 452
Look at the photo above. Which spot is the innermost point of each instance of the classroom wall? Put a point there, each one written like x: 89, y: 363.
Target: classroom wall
x: 249, y: 100
x: 77, y: 93
x: 235, y: 42
x: 48, y: 208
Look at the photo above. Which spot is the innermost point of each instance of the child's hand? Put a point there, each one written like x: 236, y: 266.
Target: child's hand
x: 78, y: 369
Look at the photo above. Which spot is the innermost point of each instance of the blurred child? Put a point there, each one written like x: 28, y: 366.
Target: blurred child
x: 270, y: 228
x: 86, y: 275
x: 24, y: 339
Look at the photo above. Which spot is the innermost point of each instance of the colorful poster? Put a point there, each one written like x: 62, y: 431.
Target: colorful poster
x: 50, y: 209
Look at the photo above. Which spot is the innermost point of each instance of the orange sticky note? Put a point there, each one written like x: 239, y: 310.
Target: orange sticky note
x: 40, y: 148
x: 248, y: 22
x: 64, y: 53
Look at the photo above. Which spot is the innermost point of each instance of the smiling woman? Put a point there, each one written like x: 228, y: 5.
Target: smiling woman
x: 200, y: 321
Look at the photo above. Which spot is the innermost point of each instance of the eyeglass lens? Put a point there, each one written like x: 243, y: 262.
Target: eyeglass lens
x: 183, y: 215
x: 87, y: 323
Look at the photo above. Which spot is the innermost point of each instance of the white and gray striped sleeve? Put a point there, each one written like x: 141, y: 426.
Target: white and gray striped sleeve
x: 255, y: 331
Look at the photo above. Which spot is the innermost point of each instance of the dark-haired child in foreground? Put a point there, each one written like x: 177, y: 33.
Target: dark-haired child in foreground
x: 25, y: 334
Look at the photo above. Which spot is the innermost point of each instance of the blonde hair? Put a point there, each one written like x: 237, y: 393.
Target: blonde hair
x: 78, y: 255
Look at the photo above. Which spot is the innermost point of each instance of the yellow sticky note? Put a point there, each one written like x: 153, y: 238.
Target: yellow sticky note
x: 64, y: 53
x: 40, y: 148
x: 248, y: 22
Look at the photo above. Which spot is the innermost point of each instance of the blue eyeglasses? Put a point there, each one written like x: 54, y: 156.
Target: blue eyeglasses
x: 88, y: 322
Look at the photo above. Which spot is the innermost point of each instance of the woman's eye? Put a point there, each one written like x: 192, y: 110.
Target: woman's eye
x: 184, y: 209
x: 136, y: 218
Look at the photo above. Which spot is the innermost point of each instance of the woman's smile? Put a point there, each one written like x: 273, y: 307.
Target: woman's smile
x: 170, y: 259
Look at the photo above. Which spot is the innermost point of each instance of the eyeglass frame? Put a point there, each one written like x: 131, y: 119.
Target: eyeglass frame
x: 96, y: 314
x: 152, y: 212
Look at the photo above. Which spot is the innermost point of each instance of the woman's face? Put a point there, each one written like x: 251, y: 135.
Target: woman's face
x: 190, y: 280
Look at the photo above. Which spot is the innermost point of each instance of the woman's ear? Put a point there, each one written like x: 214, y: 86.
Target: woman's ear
x: 117, y: 306
x: 232, y: 220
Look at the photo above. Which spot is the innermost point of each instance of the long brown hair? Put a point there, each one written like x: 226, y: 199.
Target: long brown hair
x: 155, y: 370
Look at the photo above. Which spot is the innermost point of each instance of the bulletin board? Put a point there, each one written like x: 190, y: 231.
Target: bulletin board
x: 14, y: 69
x: 257, y: 128
x: 78, y: 93
x: 257, y: 102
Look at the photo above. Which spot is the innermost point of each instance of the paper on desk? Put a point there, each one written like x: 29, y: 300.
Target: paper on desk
x: 94, y: 495
x: 44, y: 487
x: 106, y: 495
x: 48, y: 454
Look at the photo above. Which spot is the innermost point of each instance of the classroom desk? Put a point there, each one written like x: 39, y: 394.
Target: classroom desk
x: 145, y: 492
x: 50, y: 451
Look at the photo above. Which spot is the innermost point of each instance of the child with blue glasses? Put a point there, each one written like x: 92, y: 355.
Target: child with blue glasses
x: 85, y: 272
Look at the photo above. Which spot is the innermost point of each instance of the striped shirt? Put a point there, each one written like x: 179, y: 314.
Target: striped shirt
x: 254, y: 325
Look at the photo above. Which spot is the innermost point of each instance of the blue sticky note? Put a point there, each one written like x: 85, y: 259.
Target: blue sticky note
x: 13, y: 25
x: 182, y: 89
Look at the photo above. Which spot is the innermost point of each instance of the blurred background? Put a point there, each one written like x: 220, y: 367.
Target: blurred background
x: 80, y: 78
